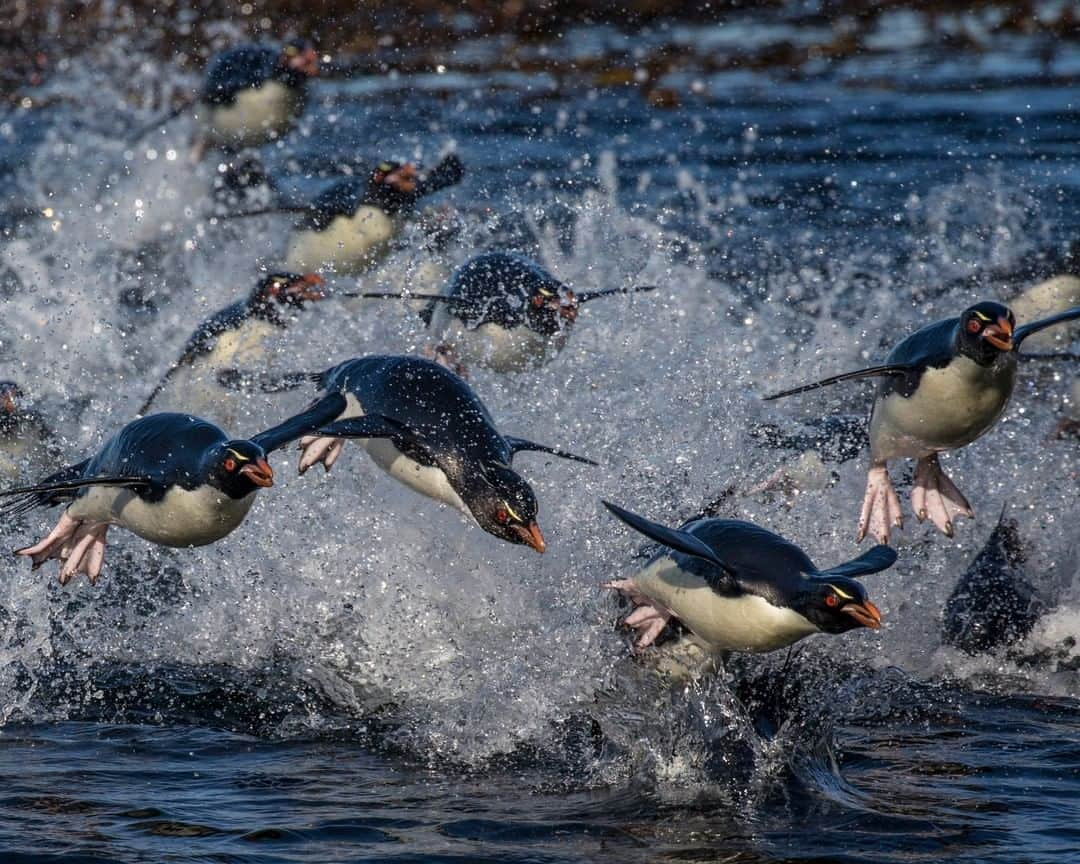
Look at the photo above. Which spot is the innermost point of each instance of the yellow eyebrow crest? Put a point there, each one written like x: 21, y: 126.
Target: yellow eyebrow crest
x: 843, y: 594
x: 239, y: 456
x: 980, y: 316
x: 510, y: 510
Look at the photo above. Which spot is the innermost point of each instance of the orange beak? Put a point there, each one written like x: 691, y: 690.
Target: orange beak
x: 1000, y: 334
x: 309, y: 286
x: 259, y: 472
x: 867, y: 614
x: 532, y: 537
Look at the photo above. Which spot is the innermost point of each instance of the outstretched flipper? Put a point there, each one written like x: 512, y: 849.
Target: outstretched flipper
x: 680, y: 541
x: 517, y: 445
x: 143, y: 131
x: 316, y: 415
x: 1021, y: 333
x: 264, y: 382
x: 586, y: 296
x: 61, y: 488
x: 893, y: 369
x: 872, y: 561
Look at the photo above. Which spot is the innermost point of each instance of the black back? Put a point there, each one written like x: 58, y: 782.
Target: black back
x: 932, y: 346
x: 167, y: 449
x: 496, y: 287
x: 443, y: 412
x: 246, y: 67
x: 760, y: 562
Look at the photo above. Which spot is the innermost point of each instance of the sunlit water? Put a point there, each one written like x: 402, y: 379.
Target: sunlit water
x: 357, y: 673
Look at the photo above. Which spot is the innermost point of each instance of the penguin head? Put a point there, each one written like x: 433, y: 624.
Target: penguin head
x: 986, y: 331
x: 238, y: 468
x: 504, y: 505
x: 552, y: 307
x: 299, y: 57
x: 288, y: 289
x: 393, y: 186
x: 10, y: 396
x: 837, y: 604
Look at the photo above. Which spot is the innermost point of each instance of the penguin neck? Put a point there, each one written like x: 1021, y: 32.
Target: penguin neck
x: 389, y: 200
x: 265, y: 309
x: 978, y: 350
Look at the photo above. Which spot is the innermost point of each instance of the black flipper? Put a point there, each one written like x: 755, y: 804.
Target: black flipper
x: 368, y: 426
x: 143, y: 131
x: 60, y: 488
x: 398, y: 295
x: 262, y: 211
x: 308, y: 421
x: 673, y: 538
x: 517, y: 445
x: 447, y: 173
x: 897, y: 369
x: 1021, y: 333
x: 586, y: 296
x: 264, y: 382
x: 871, y: 561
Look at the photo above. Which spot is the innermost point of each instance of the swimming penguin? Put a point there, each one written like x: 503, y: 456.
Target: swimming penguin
x: 738, y: 587
x: 254, y: 93
x: 349, y: 227
x: 425, y: 427
x: 942, y: 387
x: 236, y: 335
x: 504, y: 311
x: 993, y: 603
x: 172, y: 479
x: 25, y: 436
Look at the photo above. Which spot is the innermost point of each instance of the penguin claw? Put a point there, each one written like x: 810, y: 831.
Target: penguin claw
x: 881, y: 506
x: 938, y: 496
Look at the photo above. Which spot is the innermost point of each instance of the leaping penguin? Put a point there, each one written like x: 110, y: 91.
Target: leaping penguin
x: 424, y: 426
x: 941, y: 388
x: 24, y: 433
x: 172, y: 479
x: 504, y: 311
x: 235, y: 335
x: 349, y: 227
x: 252, y: 94
x: 738, y: 587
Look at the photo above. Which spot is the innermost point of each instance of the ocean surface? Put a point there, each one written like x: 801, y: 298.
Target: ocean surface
x: 357, y: 673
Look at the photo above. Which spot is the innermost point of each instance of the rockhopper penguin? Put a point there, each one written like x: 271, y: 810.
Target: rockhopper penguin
x: 941, y: 388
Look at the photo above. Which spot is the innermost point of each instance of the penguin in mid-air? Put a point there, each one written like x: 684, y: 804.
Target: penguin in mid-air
x: 738, y: 587
x: 350, y: 226
x: 236, y: 335
x: 941, y: 388
x: 424, y: 426
x: 503, y: 311
x: 252, y: 94
x: 25, y: 436
x: 173, y: 479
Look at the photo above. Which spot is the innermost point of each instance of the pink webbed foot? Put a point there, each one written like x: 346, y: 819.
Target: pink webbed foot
x: 649, y: 618
x: 881, y: 506
x: 936, y: 497
x: 79, y: 545
x: 319, y: 449
x: 443, y: 354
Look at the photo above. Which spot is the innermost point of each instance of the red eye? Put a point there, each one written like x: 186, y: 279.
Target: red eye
x: 501, y: 516
x: 974, y: 326
x: 230, y: 465
x: 831, y: 600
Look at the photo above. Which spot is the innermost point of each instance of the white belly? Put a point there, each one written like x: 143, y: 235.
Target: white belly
x: 257, y: 116
x: 951, y: 408
x: 747, y: 623
x: 181, y: 518
x: 194, y: 389
x: 348, y: 245
x: 496, y: 348
x: 1043, y: 300
x: 427, y: 480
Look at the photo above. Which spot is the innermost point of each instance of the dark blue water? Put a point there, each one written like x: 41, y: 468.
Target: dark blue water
x: 358, y: 675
